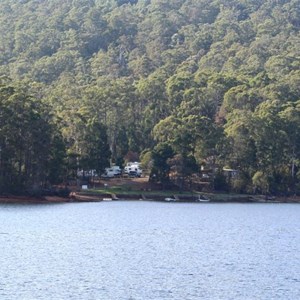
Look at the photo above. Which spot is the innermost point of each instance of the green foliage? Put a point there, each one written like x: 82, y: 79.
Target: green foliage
x: 260, y: 182
x: 93, y: 147
x: 161, y: 169
x: 30, y: 146
x: 218, y: 81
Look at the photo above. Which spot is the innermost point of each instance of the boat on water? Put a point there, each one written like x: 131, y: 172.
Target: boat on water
x: 202, y: 198
x: 107, y: 199
x: 170, y: 199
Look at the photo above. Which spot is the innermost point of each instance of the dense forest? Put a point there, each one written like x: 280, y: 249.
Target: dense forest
x: 189, y: 87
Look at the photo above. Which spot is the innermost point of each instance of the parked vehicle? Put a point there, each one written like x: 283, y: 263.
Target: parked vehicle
x: 87, y: 173
x: 132, y: 174
x: 111, y: 172
x: 133, y: 169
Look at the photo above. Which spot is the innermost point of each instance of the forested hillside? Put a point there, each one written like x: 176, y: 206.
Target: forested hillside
x: 183, y: 84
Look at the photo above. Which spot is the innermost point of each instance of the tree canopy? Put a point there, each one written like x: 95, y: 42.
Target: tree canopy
x: 217, y: 81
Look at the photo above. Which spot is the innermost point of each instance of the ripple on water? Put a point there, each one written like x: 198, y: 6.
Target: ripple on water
x: 144, y: 250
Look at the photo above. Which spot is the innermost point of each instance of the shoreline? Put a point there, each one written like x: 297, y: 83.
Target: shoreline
x: 178, y: 198
x: 181, y: 198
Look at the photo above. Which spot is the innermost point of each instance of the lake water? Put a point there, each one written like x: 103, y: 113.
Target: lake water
x: 150, y: 250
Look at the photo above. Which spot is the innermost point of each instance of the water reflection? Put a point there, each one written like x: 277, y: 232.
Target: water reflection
x: 144, y: 250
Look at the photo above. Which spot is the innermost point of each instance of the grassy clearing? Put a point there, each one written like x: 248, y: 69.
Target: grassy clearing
x: 227, y: 197
x: 129, y: 187
x: 124, y: 191
x: 129, y: 190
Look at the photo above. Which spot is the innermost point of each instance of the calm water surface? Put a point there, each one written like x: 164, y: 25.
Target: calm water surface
x: 144, y: 250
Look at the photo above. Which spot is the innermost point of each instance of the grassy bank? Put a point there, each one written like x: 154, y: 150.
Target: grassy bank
x: 133, y: 189
x: 126, y: 193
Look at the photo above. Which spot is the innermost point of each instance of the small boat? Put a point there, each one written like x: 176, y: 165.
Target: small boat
x: 202, y: 198
x: 169, y: 199
x: 114, y: 197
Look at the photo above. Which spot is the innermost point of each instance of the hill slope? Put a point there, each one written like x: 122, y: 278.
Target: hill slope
x: 215, y: 80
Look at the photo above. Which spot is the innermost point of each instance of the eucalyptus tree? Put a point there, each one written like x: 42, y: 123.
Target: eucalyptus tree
x: 290, y: 118
x: 27, y: 141
x: 161, y: 169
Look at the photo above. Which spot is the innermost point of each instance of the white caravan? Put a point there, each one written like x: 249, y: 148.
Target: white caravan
x: 133, y: 169
x: 112, y: 172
